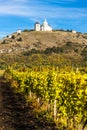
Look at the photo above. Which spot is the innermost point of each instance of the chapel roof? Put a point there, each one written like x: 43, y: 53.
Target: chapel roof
x: 37, y: 23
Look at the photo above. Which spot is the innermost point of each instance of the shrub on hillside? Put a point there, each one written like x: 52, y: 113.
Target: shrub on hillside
x: 84, y: 53
x: 69, y: 43
x: 32, y: 51
x: 4, y: 42
x: 19, y: 39
x: 25, y: 30
x: 53, y: 49
x: 12, y: 37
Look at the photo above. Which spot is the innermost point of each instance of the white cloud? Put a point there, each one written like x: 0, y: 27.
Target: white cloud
x: 20, y: 0
x: 38, y: 9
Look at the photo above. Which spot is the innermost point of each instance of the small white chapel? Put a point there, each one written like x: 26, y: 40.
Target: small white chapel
x: 44, y: 27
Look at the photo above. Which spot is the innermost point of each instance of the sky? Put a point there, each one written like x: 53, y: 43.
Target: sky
x: 60, y: 14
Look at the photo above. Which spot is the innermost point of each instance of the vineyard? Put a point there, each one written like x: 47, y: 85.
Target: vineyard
x: 61, y: 95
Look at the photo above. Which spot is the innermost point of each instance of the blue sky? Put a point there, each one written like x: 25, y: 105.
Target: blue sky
x: 60, y: 14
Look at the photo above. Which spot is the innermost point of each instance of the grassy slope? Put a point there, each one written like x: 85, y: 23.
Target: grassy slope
x: 71, y: 48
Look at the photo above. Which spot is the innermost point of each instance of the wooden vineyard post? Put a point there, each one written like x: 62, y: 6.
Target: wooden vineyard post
x: 55, y: 110
x: 30, y: 95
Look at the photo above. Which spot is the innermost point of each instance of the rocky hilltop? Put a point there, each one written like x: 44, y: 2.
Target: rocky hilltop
x: 19, y: 48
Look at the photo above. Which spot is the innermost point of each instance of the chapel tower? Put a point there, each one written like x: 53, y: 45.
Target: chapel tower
x: 37, y: 26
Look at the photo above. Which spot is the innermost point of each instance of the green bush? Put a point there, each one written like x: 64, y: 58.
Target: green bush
x: 19, y: 39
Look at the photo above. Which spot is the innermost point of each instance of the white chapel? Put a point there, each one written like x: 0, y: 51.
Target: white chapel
x: 44, y: 27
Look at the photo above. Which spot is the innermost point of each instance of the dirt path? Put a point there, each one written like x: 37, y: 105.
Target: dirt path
x: 15, y: 114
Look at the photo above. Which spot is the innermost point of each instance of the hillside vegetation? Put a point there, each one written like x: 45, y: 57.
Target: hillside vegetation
x: 31, y: 48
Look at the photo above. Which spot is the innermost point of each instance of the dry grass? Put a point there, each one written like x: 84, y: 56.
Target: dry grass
x: 71, y: 44
x: 46, y: 39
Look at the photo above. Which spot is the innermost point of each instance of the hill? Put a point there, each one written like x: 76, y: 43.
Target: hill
x: 43, y: 48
